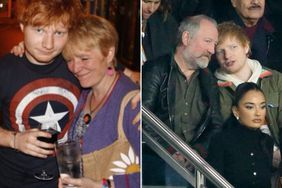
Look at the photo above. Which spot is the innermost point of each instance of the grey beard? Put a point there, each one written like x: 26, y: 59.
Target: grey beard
x: 202, y: 65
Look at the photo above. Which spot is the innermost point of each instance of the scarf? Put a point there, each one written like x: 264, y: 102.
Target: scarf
x: 255, y: 67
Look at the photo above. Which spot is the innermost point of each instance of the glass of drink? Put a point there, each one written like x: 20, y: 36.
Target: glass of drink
x: 69, y: 159
x: 51, y: 128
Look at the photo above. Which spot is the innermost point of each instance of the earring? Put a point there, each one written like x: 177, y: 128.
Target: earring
x: 110, y: 71
x: 237, y: 117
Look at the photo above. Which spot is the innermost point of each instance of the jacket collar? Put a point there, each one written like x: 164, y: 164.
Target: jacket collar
x: 264, y: 74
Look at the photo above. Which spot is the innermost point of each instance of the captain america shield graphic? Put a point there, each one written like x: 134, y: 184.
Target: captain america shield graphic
x: 44, y: 101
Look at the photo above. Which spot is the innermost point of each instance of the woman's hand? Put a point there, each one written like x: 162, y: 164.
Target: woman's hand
x: 18, y: 50
x: 79, y: 182
x: 28, y: 143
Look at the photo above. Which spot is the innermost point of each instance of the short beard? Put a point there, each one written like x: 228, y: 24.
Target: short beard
x: 195, y: 63
x: 202, y: 64
x: 190, y: 61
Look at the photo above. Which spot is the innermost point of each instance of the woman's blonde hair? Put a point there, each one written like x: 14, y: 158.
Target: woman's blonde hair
x: 91, y: 32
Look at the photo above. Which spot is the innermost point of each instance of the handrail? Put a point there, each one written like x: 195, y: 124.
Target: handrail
x: 200, y: 164
x: 167, y: 157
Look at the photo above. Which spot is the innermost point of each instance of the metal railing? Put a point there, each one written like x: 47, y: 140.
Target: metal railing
x: 178, y: 144
x: 165, y: 155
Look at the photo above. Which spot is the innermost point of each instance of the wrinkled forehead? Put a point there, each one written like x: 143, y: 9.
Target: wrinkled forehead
x: 208, y: 29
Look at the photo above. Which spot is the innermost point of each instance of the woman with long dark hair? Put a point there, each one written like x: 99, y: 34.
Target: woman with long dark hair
x: 242, y: 152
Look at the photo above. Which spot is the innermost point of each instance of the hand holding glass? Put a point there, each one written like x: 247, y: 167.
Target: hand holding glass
x: 69, y: 159
x: 52, y: 129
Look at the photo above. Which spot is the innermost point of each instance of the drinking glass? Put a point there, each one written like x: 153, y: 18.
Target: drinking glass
x: 51, y: 128
x: 69, y: 159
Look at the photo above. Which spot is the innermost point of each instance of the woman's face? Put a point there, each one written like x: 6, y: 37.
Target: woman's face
x: 149, y: 7
x: 251, y: 109
x: 90, y: 66
x: 231, y: 55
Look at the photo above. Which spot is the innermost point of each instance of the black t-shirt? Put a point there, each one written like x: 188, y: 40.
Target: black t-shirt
x: 31, y: 95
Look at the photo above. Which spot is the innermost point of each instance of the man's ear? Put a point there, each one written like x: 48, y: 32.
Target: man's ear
x: 22, y: 27
x: 233, y: 2
x: 185, y: 38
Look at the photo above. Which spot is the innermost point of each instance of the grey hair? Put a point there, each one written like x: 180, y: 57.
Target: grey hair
x: 192, y: 25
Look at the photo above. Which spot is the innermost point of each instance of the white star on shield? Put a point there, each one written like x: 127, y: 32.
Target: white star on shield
x: 49, y: 118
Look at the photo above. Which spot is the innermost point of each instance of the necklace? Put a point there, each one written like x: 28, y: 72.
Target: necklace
x: 87, y: 118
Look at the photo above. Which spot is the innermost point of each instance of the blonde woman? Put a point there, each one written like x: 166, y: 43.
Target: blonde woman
x: 104, y: 118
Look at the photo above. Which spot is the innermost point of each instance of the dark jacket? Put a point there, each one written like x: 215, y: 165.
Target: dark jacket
x: 160, y: 35
x: 242, y: 155
x: 158, y: 95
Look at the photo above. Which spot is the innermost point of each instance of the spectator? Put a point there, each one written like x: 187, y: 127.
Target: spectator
x: 158, y: 29
x: 180, y: 90
x: 243, y: 153
x: 103, y: 118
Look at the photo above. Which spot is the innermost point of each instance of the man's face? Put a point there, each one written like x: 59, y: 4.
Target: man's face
x: 201, y: 46
x: 232, y: 55
x: 149, y: 7
x: 44, y: 43
x: 249, y: 10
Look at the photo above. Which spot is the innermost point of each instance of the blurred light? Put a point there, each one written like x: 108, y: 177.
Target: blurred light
x: 1, y: 5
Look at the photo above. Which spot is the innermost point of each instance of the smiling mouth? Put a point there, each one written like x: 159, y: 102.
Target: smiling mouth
x: 81, y: 76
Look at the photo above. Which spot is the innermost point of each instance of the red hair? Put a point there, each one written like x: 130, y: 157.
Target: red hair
x: 47, y: 12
